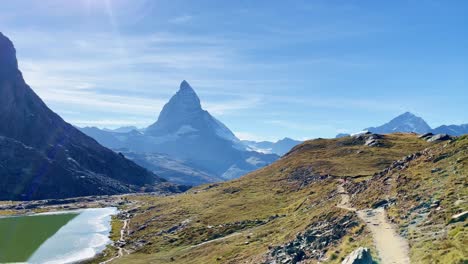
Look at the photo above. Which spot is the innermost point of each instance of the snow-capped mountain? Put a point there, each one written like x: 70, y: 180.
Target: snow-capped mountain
x: 186, y: 132
x: 183, y: 115
x: 406, y: 122
x: 279, y: 147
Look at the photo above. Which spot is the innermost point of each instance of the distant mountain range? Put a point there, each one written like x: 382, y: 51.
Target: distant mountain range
x: 408, y: 122
x: 124, y: 129
x: 279, y: 147
x: 189, y: 137
x: 42, y: 156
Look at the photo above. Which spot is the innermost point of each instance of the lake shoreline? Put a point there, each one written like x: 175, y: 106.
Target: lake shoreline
x: 10, y: 208
x: 124, y: 204
x: 81, y: 237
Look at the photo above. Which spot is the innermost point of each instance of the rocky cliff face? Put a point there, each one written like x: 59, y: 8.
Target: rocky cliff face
x: 54, y: 153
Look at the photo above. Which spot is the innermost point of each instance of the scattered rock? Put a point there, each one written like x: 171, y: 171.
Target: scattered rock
x: 359, y: 256
x: 435, y: 204
x: 384, y: 203
x: 313, y: 243
x: 459, y: 217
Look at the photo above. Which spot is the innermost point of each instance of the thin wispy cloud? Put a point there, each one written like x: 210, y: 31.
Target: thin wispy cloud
x: 298, y: 125
x: 253, y: 137
x: 120, y: 60
x: 181, y: 19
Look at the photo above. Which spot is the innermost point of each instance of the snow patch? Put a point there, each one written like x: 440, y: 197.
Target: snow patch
x: 185, y: 129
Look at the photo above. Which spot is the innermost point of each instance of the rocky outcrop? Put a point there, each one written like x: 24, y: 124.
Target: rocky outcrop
x: 359, y: 256
x: 314, y: 242
x: 439, y: 137
x: 429, y: 137
x: 369, y: 139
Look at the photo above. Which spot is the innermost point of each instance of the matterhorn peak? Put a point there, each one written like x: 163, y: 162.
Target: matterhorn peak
x: 185, y: 98
x: 184, y: 85
x: 183, y: 106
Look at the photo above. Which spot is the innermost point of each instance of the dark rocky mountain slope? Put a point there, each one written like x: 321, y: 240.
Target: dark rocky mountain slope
x: 45, y: 157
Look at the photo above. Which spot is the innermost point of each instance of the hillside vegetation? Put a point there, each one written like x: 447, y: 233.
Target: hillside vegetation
x: 427, y: 198
x: 286, y: 212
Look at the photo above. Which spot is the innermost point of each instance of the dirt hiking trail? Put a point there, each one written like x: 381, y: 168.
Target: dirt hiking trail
x: 391, y: 247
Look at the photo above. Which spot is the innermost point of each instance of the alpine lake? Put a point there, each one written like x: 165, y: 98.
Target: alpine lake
x: 58, y: 237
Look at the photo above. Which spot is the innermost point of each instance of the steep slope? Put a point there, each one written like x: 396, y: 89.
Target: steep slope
x: 286, y: 212
x: 106, y: 138
x: 406, y: 122
x: 279, y: 147
x: 186, y: 132
x: 58, y: 152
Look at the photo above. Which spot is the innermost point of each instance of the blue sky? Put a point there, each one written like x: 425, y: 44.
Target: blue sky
x: 267, y: 69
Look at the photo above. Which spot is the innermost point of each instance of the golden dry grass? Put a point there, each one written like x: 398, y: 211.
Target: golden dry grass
x: 240, y: 219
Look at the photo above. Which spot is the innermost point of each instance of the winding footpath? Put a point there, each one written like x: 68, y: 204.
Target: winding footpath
x: 392, y: 248
x: 120, y: 248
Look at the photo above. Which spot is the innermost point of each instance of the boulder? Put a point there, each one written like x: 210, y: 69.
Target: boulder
x: 372, y: 140
x: 359, y: 256
x: 438, y: 137
x: 459, y: 217
x: 426, y: 136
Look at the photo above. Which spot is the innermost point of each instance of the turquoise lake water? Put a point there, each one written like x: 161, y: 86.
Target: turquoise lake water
x: 59, y: 237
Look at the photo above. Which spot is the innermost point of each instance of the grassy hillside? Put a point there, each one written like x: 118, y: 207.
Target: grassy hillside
x: 425, y: 191
x: 286, y: 211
